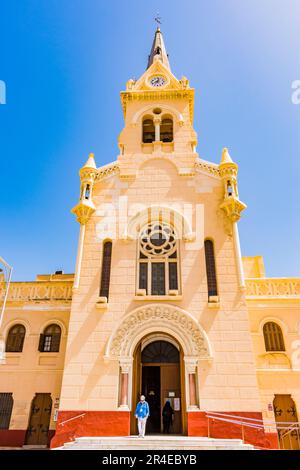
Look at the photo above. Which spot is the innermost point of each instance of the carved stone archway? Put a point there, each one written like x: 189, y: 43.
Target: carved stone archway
x: 163, y: 318
x: 159, y: 317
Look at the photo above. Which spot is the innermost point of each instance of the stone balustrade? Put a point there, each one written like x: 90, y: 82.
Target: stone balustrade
x: 38, y: 291
x: 273, y: 287
x: 62, y: 290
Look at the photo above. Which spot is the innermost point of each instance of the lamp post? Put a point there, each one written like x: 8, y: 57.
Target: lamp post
x: 5, y: 290
x: 6, y: 281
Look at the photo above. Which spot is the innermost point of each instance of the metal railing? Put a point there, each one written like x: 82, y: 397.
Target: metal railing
x: 288, y: 432
x: 71, y: 419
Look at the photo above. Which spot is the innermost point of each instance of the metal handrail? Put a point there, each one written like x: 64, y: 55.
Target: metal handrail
x: 290, y: 429
x: 71, y: 419
x: 256, y: 424
x: 266, y: 422
x: 250, y: 425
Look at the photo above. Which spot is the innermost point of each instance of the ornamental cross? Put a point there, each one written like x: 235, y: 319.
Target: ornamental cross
x: 157, y: 19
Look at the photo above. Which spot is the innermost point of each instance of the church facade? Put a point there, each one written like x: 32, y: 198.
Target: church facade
x: 161, y: 302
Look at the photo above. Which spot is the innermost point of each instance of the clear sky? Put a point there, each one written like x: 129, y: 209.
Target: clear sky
x: 64, y: 63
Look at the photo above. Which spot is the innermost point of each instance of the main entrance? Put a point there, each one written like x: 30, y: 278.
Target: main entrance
x: 158, y: 376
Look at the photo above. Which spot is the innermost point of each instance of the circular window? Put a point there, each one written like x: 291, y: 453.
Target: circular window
x: 158, y: 239
x: 157, y: 111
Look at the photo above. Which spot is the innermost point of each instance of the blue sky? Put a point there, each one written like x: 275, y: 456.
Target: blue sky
x: 64, y: 63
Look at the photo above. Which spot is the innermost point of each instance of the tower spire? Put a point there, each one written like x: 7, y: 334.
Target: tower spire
x: 158, y: 49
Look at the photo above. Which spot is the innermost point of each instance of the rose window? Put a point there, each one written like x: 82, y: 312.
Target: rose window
x: 158, y: 240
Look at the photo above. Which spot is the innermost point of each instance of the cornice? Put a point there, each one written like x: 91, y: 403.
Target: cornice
x: 154, y: 95
x: 107, y: 170
x: 211, y: 169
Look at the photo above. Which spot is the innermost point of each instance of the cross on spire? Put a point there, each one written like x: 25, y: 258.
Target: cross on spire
x: 158, y: 20
x: 158, y: 49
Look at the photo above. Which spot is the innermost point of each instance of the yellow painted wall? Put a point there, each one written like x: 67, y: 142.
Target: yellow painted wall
x: 34, y: 305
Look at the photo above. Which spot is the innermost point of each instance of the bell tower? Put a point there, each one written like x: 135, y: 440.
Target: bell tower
x: 158, y: 113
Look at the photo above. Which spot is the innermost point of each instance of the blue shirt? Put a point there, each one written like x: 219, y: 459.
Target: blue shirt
x: 142, y: 410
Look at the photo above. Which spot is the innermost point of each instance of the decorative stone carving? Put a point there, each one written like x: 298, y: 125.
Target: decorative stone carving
x: 159, y: 95
x: 273, y: 287
x: 83, y: 211
x: 37, y: 291
x: 208, y: 168
x: 125, y: 365
x: 108, y: 170
x: 191, y: 364
x: 162, y: 318
x: 233, y: 208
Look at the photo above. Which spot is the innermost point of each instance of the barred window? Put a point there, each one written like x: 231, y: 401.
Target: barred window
x: 210, y: 268
x: 106, y: 267
x: 6, y: 406
x: 50, y: 339
x: 273, y: 337
x: 15, y: 338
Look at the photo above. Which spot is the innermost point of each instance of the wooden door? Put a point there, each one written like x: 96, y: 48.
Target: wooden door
x: 171, y: 391
x: 136, y: 388
x: 37, y: 432
x: 285, y: 412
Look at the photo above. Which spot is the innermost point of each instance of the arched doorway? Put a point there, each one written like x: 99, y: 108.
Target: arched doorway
x: 154, y: 322
x: 38, y: 427
x: 157, y: 374
x: 285, y: 415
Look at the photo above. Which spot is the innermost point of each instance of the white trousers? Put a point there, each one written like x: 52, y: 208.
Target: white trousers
x: 142, y: 426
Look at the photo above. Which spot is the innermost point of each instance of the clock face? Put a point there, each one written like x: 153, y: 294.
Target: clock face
x: 158, y: 81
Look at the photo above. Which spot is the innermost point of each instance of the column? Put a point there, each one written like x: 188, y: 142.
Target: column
x: 192, y: 386
x: 157, y: 129
x: 124, y: 389
x: 79, y: 256
x: 191, y: 374
x: 125, y: 368
x: 238, y: 256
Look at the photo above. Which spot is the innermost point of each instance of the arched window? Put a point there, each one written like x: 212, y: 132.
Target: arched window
x: 210, y: 268
x: 229, y: 188
x: 166, y: 130
x: 106, y: 265
x: 158, y: 259
x: 160, y: 351
x: 148, y: 131
x: 87, y: 192
x: 6, y: 406
x: 50, y: 339
x: 273, y: 337
x: 15, y: 339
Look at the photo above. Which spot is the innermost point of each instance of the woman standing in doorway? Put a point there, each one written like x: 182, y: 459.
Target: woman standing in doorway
x: 167, y: 415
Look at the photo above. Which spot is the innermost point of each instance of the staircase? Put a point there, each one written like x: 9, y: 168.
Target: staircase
x: 154, y: 443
